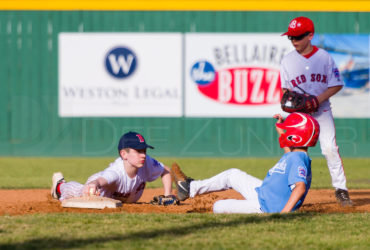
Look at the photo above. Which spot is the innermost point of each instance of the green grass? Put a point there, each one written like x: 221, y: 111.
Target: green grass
x: 37, y: 172
x: 179, y: 231
x: 185, y: 231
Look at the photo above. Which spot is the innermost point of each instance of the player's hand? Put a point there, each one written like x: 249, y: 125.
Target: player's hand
x: 279, y: 118
x: 91, y: 189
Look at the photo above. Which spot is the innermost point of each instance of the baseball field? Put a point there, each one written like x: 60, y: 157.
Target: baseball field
x: 29, y: 218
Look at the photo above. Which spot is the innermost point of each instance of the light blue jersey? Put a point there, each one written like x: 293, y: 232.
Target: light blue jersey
x: 277, y: 186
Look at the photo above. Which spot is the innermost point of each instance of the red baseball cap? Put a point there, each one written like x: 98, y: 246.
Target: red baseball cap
x: 300, y: 25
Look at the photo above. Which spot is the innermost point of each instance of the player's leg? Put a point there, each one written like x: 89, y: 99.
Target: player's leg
x: 64, y: 190
x: 233, y: 178
x: 70, y: 189
x: 56, y: 181
x: 330, y: 150
x: 239, y: 181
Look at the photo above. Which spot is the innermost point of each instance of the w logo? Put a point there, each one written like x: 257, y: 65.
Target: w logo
x: 120, y: 62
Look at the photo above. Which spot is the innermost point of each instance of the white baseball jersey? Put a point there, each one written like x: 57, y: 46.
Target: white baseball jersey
x: 120, y: 185
x: 313, y: 74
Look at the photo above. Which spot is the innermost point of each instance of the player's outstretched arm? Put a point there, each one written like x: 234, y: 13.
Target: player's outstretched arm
x: 298, y: 192
x: 167, y: 181
x: 92, y: 188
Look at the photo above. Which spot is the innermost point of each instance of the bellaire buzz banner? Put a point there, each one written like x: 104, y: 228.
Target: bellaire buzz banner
x: 233, y: 75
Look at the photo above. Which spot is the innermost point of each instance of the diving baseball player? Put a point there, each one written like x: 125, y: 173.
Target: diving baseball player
x: 312, y: 71
x: 285, y: 185
x: 124, y: 179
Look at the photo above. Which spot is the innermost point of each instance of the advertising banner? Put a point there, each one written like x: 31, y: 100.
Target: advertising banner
x: 233, y: 74
x: 120, y: 74
x: 351, y: 55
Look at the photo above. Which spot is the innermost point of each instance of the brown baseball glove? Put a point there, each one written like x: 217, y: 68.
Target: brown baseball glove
x: 296, y: 102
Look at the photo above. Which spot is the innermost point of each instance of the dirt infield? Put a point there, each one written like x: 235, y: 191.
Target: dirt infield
x: 30, y: 201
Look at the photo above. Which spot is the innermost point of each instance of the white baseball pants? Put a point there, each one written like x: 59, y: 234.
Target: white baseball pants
x: 330, y: 149
x: 239, y: 181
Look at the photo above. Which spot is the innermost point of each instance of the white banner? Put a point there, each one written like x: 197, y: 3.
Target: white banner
x: 351, y: 55
x: 233, y: 74
x: 120, y: 74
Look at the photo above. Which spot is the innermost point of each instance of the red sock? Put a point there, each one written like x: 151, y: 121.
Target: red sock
x: 58, y: 188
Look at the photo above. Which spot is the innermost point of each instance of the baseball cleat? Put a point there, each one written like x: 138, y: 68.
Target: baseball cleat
x: 342, y: 197
x: 182, y: 182
x: 56, y: 179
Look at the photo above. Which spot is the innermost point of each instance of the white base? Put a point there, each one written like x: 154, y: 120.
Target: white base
x: 95, y: 202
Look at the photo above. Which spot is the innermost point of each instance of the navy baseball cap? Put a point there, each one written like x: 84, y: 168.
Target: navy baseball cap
x: 133, y: 140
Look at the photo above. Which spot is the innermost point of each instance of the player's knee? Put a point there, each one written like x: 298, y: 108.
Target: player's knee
x: 235, y: 171
x: 233, y: 175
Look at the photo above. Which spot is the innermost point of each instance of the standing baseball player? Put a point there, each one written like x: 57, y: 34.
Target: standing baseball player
x: 311, y: 71
x: 285, y: 185
x: 124, y: 179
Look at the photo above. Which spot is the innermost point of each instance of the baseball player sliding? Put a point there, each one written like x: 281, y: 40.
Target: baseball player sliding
x: 285, y: 185
x: 311, y: 71
x: 124, y: 179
